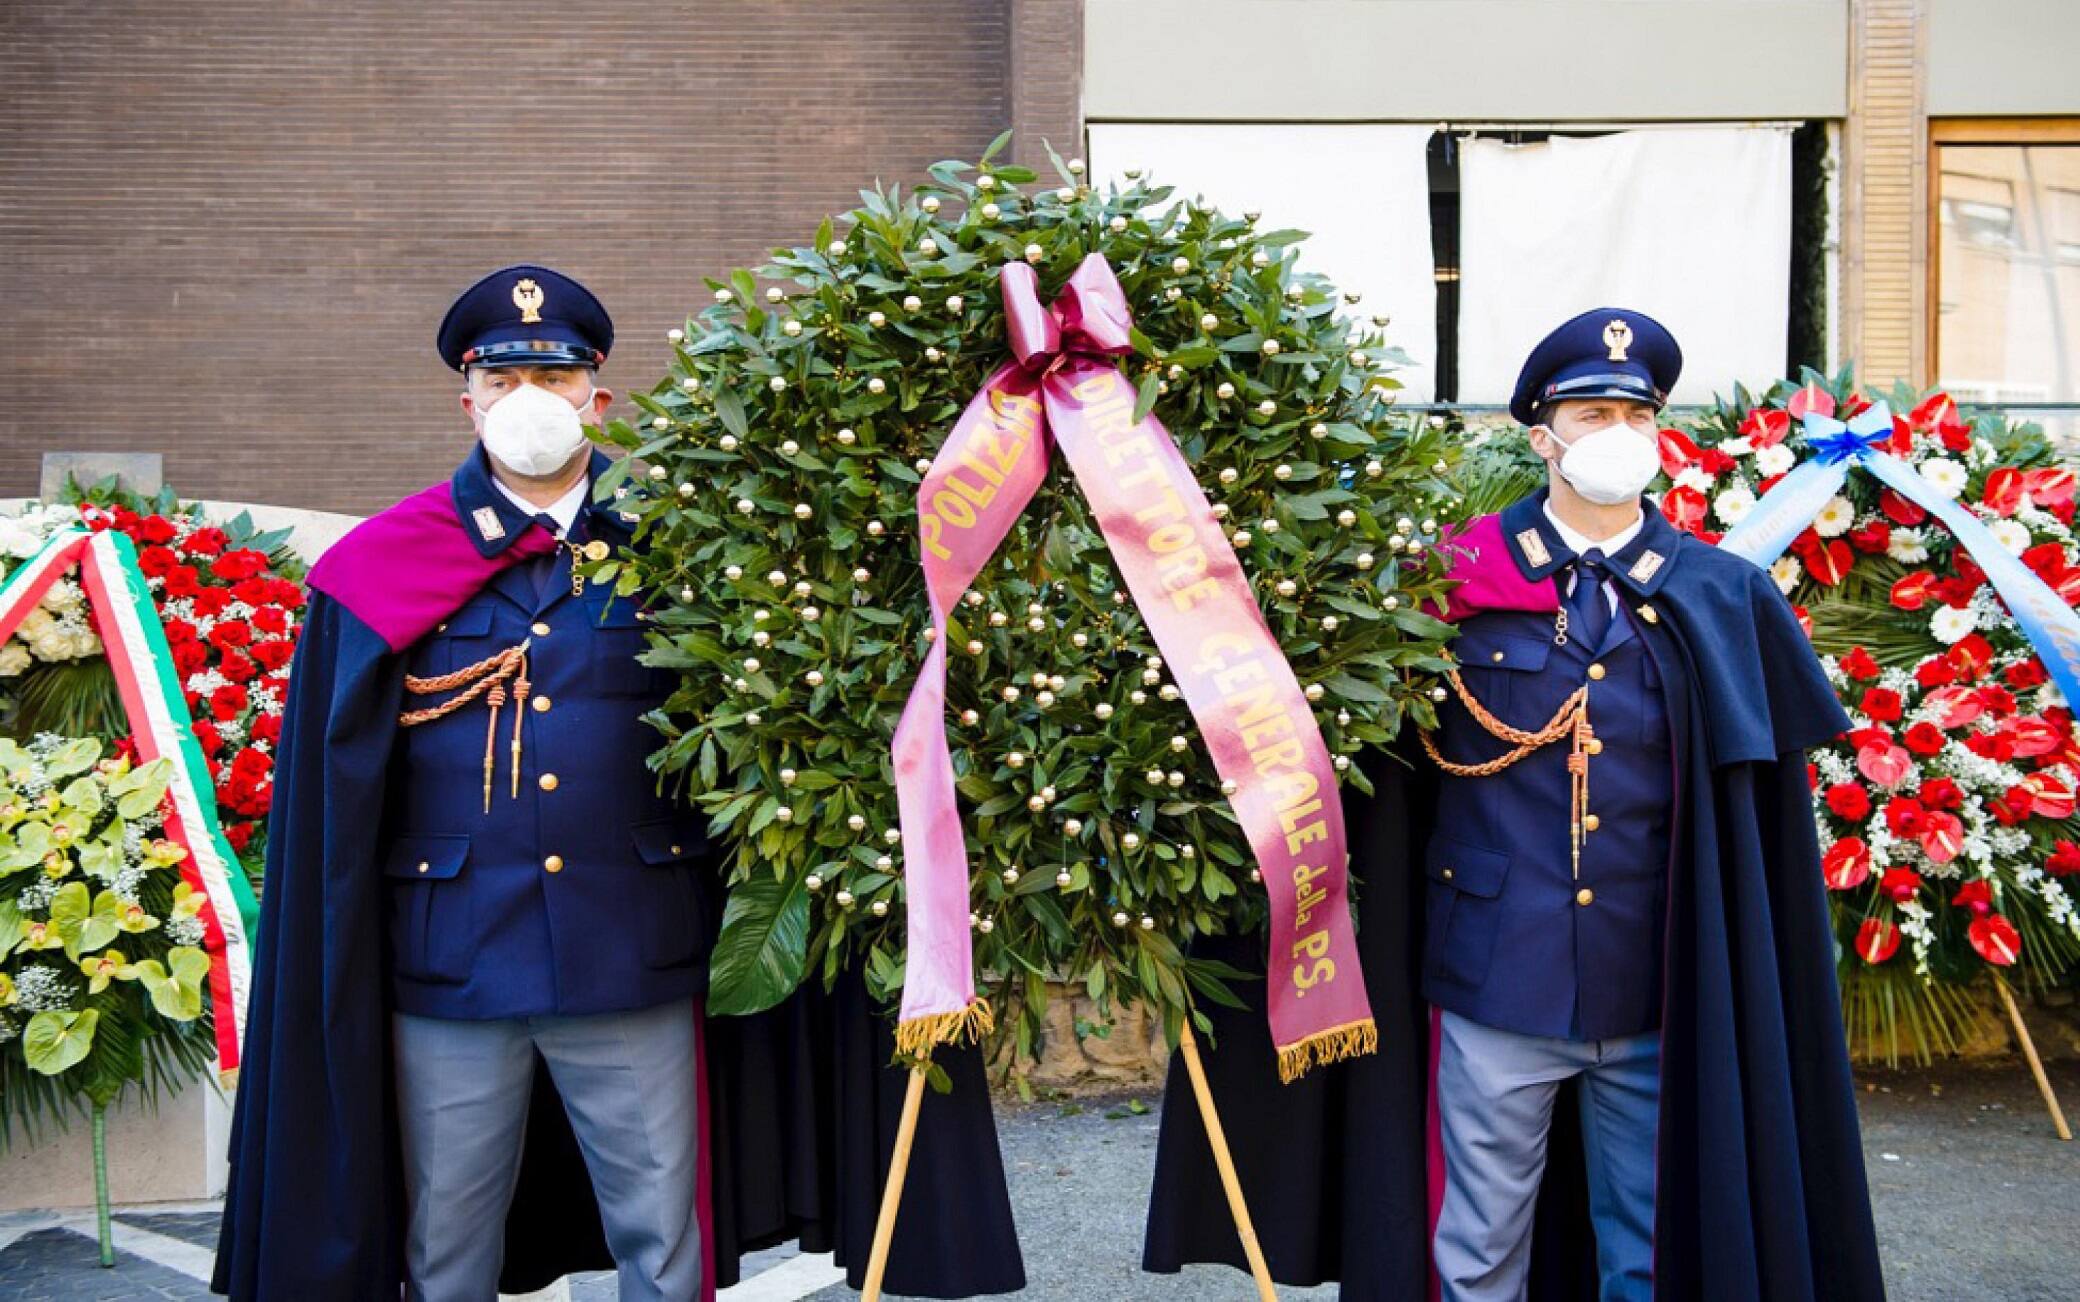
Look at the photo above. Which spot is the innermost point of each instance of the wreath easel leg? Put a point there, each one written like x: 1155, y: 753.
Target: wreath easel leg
x: 892, y: 1194
x: 1237, y: 1207
x: 2036, y: 1064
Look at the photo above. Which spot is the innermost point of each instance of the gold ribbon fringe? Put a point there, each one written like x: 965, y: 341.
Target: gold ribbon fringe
x: 917, y: 1037
x: 1325, y: 1047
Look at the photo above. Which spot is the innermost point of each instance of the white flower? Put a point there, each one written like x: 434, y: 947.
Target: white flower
x: 62, y: 596
x: 1737, y: 447
x: 1950, y: 624
x: 1774, y: 460
x: 1907, y: 546
x: 1695, y: 478
x: 14, y: 658
x: 1733, y: 504
x: 1944, y: 475
x: 1835, y: 517
x: 2011, y: 534
x: 1785, y: 571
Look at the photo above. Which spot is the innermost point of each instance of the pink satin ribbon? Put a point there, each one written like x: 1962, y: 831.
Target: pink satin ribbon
x: 1062, y: 387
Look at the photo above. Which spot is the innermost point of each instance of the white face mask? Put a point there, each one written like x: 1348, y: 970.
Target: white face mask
x: 1610, y: 465
x: 532, y: 431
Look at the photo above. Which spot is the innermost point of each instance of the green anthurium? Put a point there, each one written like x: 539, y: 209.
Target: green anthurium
x: 176, y: 994
x: 54, y: 1040
x: 30, y: 842
x: 139, y: 791
x: 75, y: 756
x: 85, y: 923
x: 83, y: 795
x: 103, y: 859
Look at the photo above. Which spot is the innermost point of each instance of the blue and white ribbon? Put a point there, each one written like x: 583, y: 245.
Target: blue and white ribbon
x: 1784, y: 512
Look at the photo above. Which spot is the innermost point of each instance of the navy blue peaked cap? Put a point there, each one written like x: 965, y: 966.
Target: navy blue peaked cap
x: 1608, y: 352
x: 526, y: 316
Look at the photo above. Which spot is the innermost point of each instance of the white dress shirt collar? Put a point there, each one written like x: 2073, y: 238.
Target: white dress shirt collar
x: 564, y: 510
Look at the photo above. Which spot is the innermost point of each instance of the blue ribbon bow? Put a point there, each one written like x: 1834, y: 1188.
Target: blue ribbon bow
x: 1784, y: 512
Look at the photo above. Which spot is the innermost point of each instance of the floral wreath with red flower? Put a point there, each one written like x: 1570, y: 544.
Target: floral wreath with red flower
x: 1946, y: 814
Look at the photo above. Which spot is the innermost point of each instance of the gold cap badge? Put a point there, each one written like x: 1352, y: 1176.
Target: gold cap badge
x: 527, y: 296
x: 1618, y: 335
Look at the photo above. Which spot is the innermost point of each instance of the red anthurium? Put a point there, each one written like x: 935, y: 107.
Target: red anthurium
x: 1805, y: 619
x: 2010, y: 808
x: 2051, y: 486
x: 1765, y: 426
x: 1678, y: 453
x: 2033, y: 737
x: 1811, y: 398
x: 1684, y: 507
x: 2004, y: 491
x: 1714, y: 462
x: 1990, y: 745
x: 1972, y: 656
x: 2064, y: 860
x: 1887, y: 766
x: 1935, y: 412
x: 1956, y: 590
x: 1853, y: 406
x: 1831, y: 564
x: 1859, y: 665
x: 1876, y: 940
x: 1925, y: 739
x: 1847, y: 864
x: 1899, y: 510
x: 1902, y: 441
x: 1941, y: 836
x: 1958, y: 705
x: 2049, y: 795
x: 1872, y: 539
x: 1976, y: 895
x: 1912, y: 591
x: 1996, y: 940
x: 1849, y: 801
x: 1900, y: 884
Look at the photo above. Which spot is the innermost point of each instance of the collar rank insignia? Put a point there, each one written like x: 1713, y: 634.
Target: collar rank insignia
x: 1643, y: 568
x: 1533, y: 547
x: 528, y: 297
x: 1618, y: 334
x: 487, y: 523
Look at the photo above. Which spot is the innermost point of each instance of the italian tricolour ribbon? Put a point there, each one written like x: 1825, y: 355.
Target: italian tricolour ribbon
x: 1062, y: 388
x: 157, y: 710
x: 1784, y: 512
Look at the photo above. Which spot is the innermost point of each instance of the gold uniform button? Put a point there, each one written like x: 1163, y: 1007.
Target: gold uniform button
x: 554, y: 863
x: 1585, y: 897
x: 1497, y: 657
x: 1596, y: 672
x: 546, y: 782
x: 540, y: 629
x: 1448, y: 874
x: 425, y: 867
x: 1591, y: 822
x: 676, y: 850
x: 1595, y: 746
x: 541, y: 705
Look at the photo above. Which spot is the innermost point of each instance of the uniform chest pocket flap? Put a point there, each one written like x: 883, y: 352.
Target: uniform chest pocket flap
x: 426, y: 858
x: 1507, y: 652
x: 460, y: 640
x: 1468, y: 868
x: 618, y: 634
x: 670, y: 840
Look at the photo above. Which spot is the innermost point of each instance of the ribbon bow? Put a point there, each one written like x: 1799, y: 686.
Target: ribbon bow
x: 1061, y: 388
x: 1784, y: 512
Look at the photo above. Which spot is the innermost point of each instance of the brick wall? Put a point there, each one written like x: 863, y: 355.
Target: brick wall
x: 231, y: 226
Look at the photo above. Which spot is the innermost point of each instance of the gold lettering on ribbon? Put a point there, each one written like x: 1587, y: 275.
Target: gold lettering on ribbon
x: 992, y: 451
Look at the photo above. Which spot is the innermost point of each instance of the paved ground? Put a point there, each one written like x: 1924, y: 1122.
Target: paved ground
x: 1975, y: 1199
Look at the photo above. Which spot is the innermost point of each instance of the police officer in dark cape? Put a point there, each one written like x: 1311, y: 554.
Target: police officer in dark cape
x: 476, y: 1057
x: 1592, y: 924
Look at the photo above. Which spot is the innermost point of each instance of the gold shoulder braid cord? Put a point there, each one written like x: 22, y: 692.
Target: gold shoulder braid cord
x: 487, y: 678
x: 1572, y: 720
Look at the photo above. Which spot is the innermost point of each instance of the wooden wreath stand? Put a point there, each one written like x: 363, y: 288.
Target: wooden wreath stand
x: 2036, y: 1064
x: 906, y: 1136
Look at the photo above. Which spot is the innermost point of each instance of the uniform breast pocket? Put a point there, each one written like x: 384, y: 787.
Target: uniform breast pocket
x: 1491, y: 662
x: 429, y: 908
x: 618, y: 640
x: 1465, y: 909
x: 461, y: 640
x: 674, y: 912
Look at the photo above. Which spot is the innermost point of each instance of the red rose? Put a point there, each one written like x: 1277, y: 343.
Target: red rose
x: 267, y: 728
x: 1901, y: 884
x: 1976, y: 895
x: 1935, y: 673
x: 1997, y: 700
x: 1872, y: 539
x: 271, y: 619
x: 1847, y: 864
x: 1903, y: 815
x: 1990, y: 745
x: 1714, y: 462
x: 179, y: 631
x: 1941, y: 793
x: 208, y: 737
x: 1954, y: 591
x: 252, y: 765
x: 190, y: 657
x: 237, y: 666
x: 2064, y: 860
x: 1864, y: 738
x: 156, y: 561
x: 1859, y: 665
x: 241, y: 564
x: 1849, y: 801
x: 212, y: 602
x: 2026, y: 675
x: 232, y: 633
x: 1923, y: 738
x: 206, y: 541
x: 1899, y: 510
x: 1876, y: 941
x: 272, y: 655
x: 240, y: 835
x: 253, y: 592
x: 1882, y: 704
x: 229, y: 702
x: 155, y: 529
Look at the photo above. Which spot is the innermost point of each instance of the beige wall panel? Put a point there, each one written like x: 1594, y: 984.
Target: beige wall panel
x: 2003, y: 58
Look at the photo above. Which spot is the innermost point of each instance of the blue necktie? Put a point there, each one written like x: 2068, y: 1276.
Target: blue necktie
x: 542, y: 569
x: 1588, y: 608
